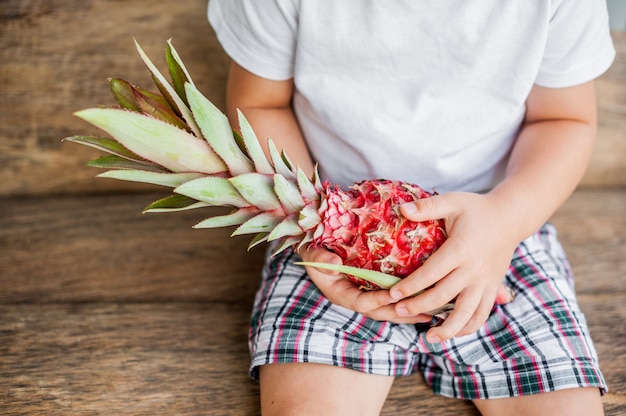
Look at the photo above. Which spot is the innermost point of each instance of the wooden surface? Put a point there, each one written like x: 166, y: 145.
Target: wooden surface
x: 55, y: 57
x: 108, y: 311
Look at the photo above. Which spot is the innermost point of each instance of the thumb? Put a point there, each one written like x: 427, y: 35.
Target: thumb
x: 424, y: 209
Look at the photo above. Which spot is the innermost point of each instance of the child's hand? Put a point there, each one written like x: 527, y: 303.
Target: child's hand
x: 376, y: 304
x: 469, y: 266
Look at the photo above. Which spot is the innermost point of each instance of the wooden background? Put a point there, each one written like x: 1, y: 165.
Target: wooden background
x: 105, y: 311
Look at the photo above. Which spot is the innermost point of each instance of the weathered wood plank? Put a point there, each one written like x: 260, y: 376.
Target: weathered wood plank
x: 55, y: 58
x: 85, y: 249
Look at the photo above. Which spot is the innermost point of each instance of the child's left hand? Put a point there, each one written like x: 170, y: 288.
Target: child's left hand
x: 469, y: 266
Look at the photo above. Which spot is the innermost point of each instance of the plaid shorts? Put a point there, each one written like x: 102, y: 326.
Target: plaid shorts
x: 537, y: 343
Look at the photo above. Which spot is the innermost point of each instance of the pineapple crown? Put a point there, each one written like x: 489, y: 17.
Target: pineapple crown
x: 179, y: 139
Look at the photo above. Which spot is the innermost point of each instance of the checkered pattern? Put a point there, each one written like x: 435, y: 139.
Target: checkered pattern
x: 537, y: 343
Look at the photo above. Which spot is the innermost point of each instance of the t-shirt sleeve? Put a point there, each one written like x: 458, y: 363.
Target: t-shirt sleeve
x: 260, y: 35
x: 579, y: 47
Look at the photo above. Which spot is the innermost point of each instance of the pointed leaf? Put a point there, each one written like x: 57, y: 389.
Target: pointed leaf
x: 155, y: 140
x: 262, y: 223
x: 174, y: 203
x: 383, y: 280
x: 287, y: 228
x: 258, y: 239
x: 261, y: 164
x: 213, y: 190
x: 286, y: 243
x: 116, y: 162
x: 258, y: 190
x: 288, y: 194
x: 157, y: 109
x: 177, y: 70
x: 169, y: 93
x: 123, y: 93
x: 278, y: 162
x: 234, y: 218
x: 107, y: 144
x: 309, y: 218
x: 165, y: 179
x: 307, y: 189
x: 217, y: 132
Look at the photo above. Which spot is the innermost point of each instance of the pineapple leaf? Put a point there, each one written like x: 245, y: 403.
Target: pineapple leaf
x: 381, y: 279
x: 309, y: 217
x: 307, y: 189
x: 213, y: 190
x: 155, y: 140
x: 287, y: 228
x: 258, y: 239
x: 123, y: 93
x: 117, y: 162
x: 237, y: 217
x: 262, y: 223
x: 107, y: 144
x: 178, y: 72
x: 253, y: 146
x: 168, y: 92
x: 286, y: 243
x: 157, y: 178
x: 158, y: 109
x: 257, y: 189
x: 279, y: 163
x: 174, y: 203
x: 217, y: 132
x: 288, y: 194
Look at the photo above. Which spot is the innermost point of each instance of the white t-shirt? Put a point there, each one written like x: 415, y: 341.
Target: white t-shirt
x: 426, y: 91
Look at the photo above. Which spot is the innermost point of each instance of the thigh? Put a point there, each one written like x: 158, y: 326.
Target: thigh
x: 571, y: 402
x: 309, y: 388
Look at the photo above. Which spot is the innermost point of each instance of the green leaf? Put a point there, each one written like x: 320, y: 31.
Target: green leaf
x: 262, y: 223
x: 174, y: 203
x: 287, y: 228
x: 288, y: 194
x: 106, y: 144
x: 169, y: 93
x: 123, y: 93
x: 217, y: 132
x: 262, y: 165
x: 178, y: 72
x: 258, y: 190
x: 155, y: 140
x: 213, y: 190
x: 172, y: 180
x: 307, y: 189
x: 117, y: 162
x: 279, y: 163
x: 158, y: 109
x: 234, y: 218
x: 383, y: 280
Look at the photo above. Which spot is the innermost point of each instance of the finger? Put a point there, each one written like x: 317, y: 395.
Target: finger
x: 388, y: 314
x: 480, y: 317
x: 432, y: 208
x: 442, y: 293
x: 441, y: 263
x: 464, y: 309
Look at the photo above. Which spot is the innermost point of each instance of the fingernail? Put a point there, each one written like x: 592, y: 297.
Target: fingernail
x: 409, y: 208
x: 433, y: 339
x: 402, y: 311
x: 395, y: 294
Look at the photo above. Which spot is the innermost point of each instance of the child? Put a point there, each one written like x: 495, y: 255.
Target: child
x: 490, y: 103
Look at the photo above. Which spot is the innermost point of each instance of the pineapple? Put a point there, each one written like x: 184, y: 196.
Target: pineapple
x: 179, y: 139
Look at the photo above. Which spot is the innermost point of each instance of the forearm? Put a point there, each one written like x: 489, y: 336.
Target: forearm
x: 547, y: 163
x: 266, y: 104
